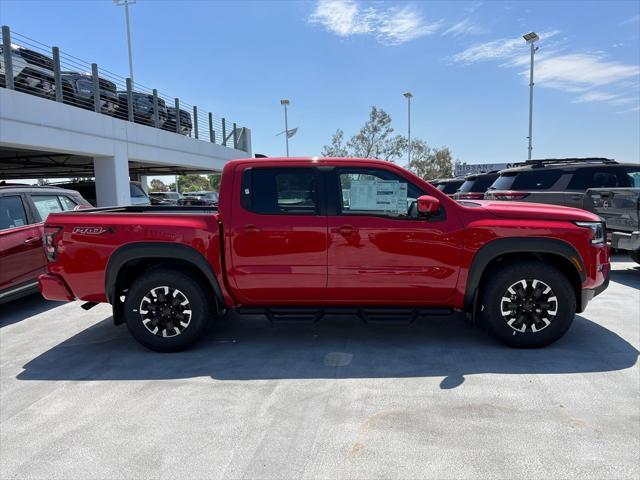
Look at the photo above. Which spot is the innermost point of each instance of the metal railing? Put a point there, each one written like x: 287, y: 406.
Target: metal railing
x: 33, y: 67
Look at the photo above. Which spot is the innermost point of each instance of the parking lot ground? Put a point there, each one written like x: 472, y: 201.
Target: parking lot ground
x: 435, y: 399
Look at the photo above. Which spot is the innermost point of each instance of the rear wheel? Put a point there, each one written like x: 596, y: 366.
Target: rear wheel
x: 528, y: 304
x: 166, y: 310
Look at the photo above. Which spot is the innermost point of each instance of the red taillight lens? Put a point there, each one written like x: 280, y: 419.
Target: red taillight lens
x: 49, y: 242
x: 507, y: 195
x: 469, y: 196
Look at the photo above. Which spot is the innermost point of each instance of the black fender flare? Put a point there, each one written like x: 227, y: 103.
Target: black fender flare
x: 502, y: 246
x: 145, y: 250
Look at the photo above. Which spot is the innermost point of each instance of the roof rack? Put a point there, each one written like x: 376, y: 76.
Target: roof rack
x: 560, y: 161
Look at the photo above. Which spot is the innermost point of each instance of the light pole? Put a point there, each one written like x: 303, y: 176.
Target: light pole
x: 126, y: 14
x: 285, y: 102
x: 531, y: 38
x: 408, y: 96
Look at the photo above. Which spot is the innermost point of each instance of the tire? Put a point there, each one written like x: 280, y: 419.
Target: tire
x: 167, y: 323
x: 530, y: 315
x: 635, y: 255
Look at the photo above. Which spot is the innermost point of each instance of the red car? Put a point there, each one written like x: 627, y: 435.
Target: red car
x: 299, y: 238
x: 23, y: 209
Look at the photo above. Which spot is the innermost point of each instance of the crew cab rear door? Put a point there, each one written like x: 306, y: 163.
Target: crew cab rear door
x: 278, y: 236
x: 380, y: 250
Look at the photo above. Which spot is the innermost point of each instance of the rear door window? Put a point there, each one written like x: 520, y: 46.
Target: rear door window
x: 280, y: 191
x: 12, y: 213
x: 598, y: 177
x: 46, y: 204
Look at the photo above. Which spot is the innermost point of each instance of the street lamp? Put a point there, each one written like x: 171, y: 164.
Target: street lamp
x: 531, y: 38
x: 285, y: 102
x: 409, y: 96
x: 126, y: 14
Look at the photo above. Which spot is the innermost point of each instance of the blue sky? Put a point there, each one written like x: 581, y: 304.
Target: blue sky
x: 464, y: 62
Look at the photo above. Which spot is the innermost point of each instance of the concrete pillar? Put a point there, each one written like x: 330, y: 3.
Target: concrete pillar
x: 144, y: 183
x: 112, y: 179
x: 244, y: 141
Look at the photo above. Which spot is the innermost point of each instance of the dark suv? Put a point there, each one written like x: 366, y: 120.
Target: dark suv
x: 23, y: 209
x: 448, y: 186
x: 77, y: 89
x: 32, y: 72
x: 475, y: 185
x: 560, y: 181
x: 185, y: 122
x: 142, y: 108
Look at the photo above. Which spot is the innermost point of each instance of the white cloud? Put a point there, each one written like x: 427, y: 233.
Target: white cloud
x: 634, y: 19
x: 501, y: 49
x: 581, y: 73
x: 582, y: 70
x: 342, y: 17
x: 465, y: 27
x: 390, y: 26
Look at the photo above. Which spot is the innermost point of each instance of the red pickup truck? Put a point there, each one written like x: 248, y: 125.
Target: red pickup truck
x: 300, y: 238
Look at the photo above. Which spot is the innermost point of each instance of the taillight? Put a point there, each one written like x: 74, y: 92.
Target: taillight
x: 469, y: 196
x: 49, y: 242
x: 507, y: 195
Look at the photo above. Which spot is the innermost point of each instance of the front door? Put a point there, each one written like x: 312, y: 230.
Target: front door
x: 380, y: 250
x: 279, y: 237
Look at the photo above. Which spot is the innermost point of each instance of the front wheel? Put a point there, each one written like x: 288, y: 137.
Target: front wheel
x: 528, y: 304
x: 166, y: 311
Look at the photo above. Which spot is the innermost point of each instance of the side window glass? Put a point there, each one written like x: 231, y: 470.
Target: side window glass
x: 632, y: 177
x: 67, y: 203
x: 46, y: 204
x: 376, y: 192
x: 12, y: 212
x: 277, y: 191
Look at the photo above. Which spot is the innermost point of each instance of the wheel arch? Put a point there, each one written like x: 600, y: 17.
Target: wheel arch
x: 558, y: 253
x: 132, y: 259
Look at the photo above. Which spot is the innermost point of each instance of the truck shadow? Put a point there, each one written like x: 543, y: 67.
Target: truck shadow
x: 629, y: 277
x: 337, y: 348
x: 23, y: 308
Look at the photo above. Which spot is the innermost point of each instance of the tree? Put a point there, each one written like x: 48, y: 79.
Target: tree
x: 214, y: 181
x: 336, y: 149
x: 430, y: 163
x: 193, y: 183
x: 158, y: 185
x: 376, y: 140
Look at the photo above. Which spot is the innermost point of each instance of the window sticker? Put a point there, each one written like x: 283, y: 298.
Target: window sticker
x: 380, y: 195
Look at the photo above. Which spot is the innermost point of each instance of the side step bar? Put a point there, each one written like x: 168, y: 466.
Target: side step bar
x: 366, y: 314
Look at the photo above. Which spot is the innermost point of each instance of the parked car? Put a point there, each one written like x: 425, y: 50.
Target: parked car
x: 164, y: 198
x: 32, y: 71
x: 88, y: 190
x: 23, y: 209
x: 560, y: 181
x: 77, y: 89
x: 448, y: 186
x: 185, y: 121
x: 199, y: 199
x: 475, y: 185
x: 401, y: 248
x: 620, y: 208
x: 142, y: 108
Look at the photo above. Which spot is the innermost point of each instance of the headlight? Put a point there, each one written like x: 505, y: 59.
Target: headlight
x: 597, y: 230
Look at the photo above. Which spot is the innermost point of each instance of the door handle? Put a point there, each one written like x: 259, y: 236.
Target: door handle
x: 250, y: 229
x: 32, y: 240
x: 346, y: 230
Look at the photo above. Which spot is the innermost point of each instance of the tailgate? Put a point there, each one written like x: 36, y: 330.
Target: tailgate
x: 619, y: 207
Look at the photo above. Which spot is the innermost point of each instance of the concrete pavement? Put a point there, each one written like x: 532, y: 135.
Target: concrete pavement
x: 79, y: 398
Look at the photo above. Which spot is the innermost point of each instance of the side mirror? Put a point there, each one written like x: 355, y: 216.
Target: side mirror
x: 428, y: 205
